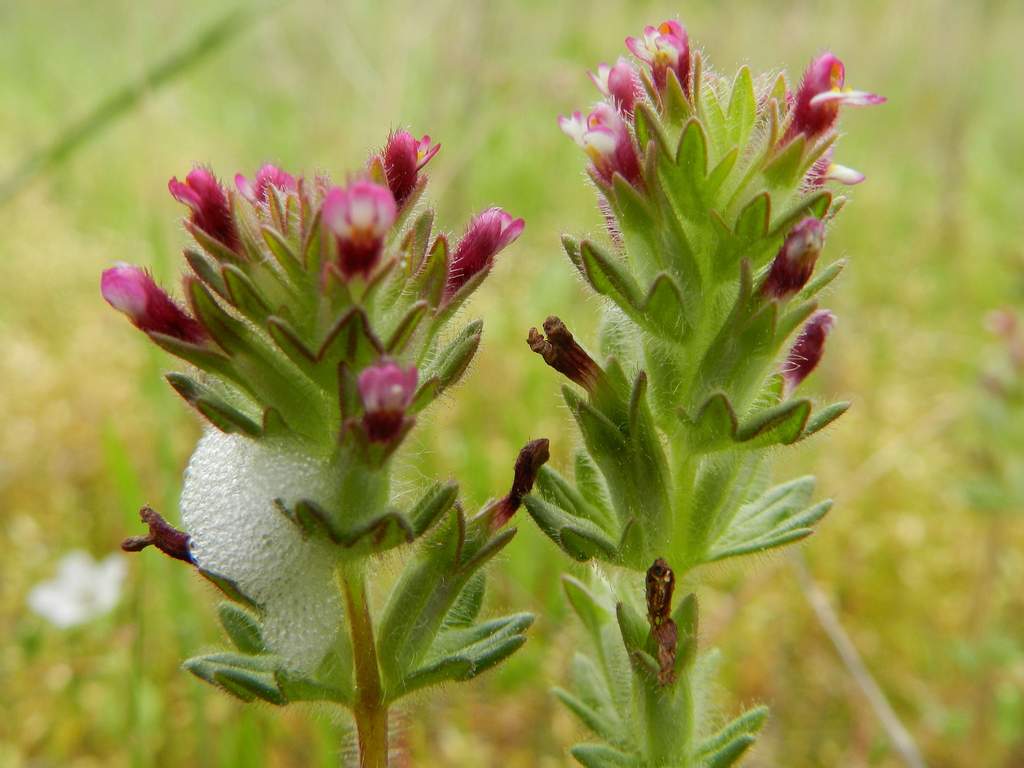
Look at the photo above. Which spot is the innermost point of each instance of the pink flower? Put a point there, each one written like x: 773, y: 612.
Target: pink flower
x: 211, y: 211
x: 359, y: 216
x: 605, y: 137
x: 808, y: 348
x: 794, y: 263
x: 403, y: 158
x: 487, y: 234
x: 267, y: 176
x: 619, y: 83
x: 386, y: 391
x: 131, y: 290
x: 664, y: 47
x: 822, y: 91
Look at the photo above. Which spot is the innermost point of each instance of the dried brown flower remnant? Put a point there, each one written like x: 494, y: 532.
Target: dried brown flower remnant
x: 531, y: 458
x: 162, y: 535
x: 661, y: 582
x: 562, y: 353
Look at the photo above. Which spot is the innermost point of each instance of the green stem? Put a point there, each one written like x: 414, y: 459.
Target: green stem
x: 684, y: 476
x: 370, y: 708
x: 668, y: 714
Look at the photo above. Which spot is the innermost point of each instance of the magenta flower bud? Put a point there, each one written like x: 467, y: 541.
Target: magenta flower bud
x: 807, y: 350
x: 403, y: 158
x: 267, y: 176
x: 487, y: 234
x: 605, y: 137
x: 359, y: 216
x: 386, y: 391
x: 664, y: 47
x: 794, y: 263
x: 619, y: 83
x: 822, y: 91
x: 131, y: 290
x: 211, y: 211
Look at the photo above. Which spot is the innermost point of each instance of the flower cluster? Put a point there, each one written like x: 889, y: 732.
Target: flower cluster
x: 717, y: 196
x: 316, y: 330
x: 311, y: 248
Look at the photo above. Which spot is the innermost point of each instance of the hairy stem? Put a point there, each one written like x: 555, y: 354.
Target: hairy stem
x: 370, y: 709
x: 684, y: 471
x: 670, y: 729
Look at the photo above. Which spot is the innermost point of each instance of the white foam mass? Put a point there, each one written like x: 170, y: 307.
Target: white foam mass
x: 227, y: 508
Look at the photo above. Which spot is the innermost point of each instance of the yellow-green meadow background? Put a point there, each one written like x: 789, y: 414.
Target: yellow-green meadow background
x: 930, y: 590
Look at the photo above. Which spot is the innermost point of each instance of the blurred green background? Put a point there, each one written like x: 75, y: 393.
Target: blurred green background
x: 929, y: 589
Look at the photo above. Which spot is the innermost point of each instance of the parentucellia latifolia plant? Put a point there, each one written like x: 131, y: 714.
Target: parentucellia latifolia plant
x: 716, y: 193
x: 317, y: 329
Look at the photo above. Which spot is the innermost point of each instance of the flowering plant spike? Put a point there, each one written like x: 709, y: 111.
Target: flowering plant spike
x: 716, y: 195
x: 317, y: 328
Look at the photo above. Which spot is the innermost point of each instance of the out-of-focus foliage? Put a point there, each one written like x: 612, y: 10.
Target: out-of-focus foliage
x: 89, y: 432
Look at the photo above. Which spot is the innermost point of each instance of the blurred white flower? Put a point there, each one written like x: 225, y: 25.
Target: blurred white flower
x: 83, y: 589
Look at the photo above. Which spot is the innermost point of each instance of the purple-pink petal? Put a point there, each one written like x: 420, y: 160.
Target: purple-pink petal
x: 359, y: 216
x: 267, y: 176
x: 662, y: 48
x: 794, y: 263
x: 487, y: 234
x: 132, y: 291
x: 808, y: 349
x: 386, y: 390
x: 822, y: 91
x: 403, y: 158
x: 211, y: 210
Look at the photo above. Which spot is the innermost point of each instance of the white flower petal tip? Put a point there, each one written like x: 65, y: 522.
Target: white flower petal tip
x: 848, y: 98
x: 844, y: 175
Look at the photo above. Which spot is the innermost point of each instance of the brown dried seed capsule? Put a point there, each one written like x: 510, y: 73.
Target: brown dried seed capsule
x: 162, y: 535
x: 562, y: 353
x: 660, y: 585
x: 531, y: 458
